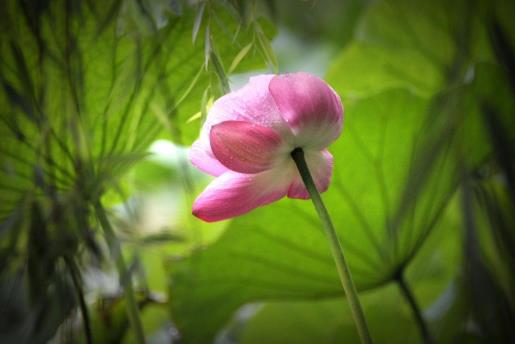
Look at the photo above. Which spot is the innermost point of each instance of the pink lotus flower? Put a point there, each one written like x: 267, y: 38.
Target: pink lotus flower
x: 249, y: 134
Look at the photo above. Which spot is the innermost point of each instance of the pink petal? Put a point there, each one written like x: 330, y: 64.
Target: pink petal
x: 245, y: 147
x: 233, y: 194
x: 252, y: 103
x: 320, y: 165
x: 201, y: 156
x: 310, y: 107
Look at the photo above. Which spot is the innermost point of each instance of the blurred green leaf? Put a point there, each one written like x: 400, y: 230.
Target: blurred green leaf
x: 320, y: 20
x: 412, y: 45
x: 198, y: 21
x: 241, y: 55
x: 85, y: 87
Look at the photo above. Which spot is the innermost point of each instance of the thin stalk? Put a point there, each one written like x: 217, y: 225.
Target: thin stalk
x: 125, y: 278
x: 417, y: 313
x: 74, y: 272
x: 336, y: 249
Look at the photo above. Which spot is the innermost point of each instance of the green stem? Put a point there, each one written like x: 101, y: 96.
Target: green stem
x: 125, y: 278
x: 75, y: 274
x: 417, y: 313
x: 337, y: 251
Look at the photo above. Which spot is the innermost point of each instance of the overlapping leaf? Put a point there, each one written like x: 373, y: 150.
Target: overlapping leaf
x: 85, y: 89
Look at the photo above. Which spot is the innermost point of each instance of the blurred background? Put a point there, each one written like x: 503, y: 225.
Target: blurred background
x: 100, y: 101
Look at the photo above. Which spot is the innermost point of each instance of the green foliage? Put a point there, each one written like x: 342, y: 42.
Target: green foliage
x: 85, y: 88
x: 413, y: 81
x: 97, y: 94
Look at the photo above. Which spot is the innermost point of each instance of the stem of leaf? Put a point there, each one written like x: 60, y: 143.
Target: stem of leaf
x: 417, y: 313
x: 336, y: 249
x: 75, y: 274
x: 125, y: 278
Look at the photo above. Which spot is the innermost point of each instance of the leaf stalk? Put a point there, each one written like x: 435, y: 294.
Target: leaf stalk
x: 417, y: 312
x: 125, y: 278
x: 77, y: 283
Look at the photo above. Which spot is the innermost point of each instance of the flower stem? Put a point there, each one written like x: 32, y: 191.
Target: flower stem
x: 417, y: 313
x: 337, y: 251
x: 125, y: 278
